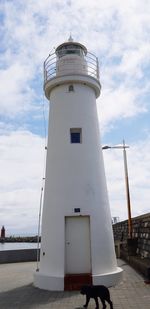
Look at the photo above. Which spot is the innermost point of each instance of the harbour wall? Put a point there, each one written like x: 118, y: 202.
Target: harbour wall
x: 14, y: 256
x: 141, y: 232
x: 135, y: 251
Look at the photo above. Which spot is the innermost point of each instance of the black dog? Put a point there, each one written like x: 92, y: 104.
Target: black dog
x: 96, y: 291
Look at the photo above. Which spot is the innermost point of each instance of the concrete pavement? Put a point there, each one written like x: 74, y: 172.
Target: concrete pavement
x: 17, y: 291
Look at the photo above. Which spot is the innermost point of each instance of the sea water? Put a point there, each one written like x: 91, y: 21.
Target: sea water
x: 17, y: 246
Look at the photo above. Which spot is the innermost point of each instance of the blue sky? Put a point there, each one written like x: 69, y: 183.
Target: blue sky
x: 118, y: 34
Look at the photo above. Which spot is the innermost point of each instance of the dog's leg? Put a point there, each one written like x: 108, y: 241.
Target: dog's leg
x: 110, y: 303
x: 96, y: 301
x: 87, y: 301
x: 103, y: 302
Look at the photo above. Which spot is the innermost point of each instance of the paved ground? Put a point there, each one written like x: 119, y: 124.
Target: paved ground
x: 17, y: 291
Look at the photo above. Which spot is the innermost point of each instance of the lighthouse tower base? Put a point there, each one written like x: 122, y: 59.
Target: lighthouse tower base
x: 45, y: 282
x: 108, y: 279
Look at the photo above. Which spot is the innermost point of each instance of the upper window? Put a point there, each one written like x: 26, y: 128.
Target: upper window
x: 68, y: 49
x: 75, y: 135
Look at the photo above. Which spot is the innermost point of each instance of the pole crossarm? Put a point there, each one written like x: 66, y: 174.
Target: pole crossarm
x: 115, y: 147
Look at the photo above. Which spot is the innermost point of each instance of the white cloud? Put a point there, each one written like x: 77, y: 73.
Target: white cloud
x: 138, y: 173
x: 15, y: 92
x: 133, y: 61
x: 118, y: 103
x: 21, y: 165
x: 32, y: 29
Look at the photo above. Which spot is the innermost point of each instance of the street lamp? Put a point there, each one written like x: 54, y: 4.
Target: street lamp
x: 126, y: 183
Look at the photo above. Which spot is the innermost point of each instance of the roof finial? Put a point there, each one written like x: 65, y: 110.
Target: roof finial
x: 70, y: 38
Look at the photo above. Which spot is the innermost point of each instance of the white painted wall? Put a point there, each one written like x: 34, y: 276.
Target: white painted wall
x: 75, y: 178
x: 71, y: 63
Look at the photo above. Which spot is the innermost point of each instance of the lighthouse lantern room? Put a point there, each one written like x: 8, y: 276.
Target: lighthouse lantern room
x: 77, y: 245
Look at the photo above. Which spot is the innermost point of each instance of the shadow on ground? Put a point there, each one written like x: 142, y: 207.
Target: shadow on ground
x: 29, y: 297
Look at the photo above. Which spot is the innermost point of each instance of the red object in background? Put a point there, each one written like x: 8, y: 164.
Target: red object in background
x: 2, y: 232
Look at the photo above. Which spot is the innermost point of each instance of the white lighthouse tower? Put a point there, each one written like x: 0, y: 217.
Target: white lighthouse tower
x: 77, y: 244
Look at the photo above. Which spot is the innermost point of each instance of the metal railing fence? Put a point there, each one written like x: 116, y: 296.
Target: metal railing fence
x: 90, y: 65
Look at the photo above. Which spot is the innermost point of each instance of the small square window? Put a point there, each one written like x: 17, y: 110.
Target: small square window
x: 71, y: 88
x: 75, y: 135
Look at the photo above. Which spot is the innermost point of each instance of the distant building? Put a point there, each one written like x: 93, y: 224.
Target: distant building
x: 3, y: 232
x: 115, y: 220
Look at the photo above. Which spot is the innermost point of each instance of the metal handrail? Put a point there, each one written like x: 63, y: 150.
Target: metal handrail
x: 90, y: 60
